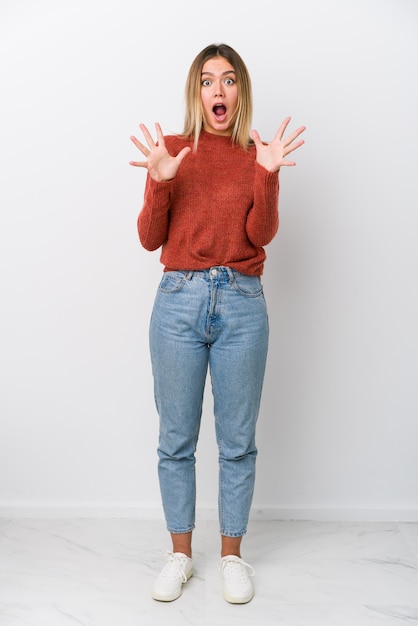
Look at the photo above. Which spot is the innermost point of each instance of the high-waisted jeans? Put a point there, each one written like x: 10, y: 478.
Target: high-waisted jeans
x: 216, y: 318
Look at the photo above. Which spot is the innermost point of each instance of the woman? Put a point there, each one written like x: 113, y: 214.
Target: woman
x: 211, y: 202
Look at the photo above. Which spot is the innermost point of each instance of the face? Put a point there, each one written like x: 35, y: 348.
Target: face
x: 219, y: 93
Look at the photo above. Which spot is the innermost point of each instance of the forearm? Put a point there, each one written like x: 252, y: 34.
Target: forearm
x: 154, y: 217
x: 263, y: 219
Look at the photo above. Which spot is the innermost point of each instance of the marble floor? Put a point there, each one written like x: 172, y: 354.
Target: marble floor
x: 99, y: 572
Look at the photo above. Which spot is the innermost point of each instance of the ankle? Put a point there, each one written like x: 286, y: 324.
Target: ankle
x: 231, y: 546
x: 182, y: 542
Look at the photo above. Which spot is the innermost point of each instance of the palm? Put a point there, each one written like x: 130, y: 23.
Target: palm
x: 272, y: 156
x: 160, y: 164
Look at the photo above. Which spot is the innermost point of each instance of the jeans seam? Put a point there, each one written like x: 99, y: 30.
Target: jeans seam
x: 221, y: 483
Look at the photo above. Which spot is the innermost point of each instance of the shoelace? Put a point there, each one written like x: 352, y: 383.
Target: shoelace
x: 238, y: 570
x: 173, y: 567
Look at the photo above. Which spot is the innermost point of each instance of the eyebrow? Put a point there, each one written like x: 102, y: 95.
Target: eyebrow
x: 223, y: 73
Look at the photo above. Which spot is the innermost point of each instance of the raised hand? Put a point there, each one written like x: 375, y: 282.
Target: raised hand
x: 160, y: 164
x: 272, y: 156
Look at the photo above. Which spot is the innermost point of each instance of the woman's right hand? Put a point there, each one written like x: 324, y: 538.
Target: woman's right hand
x: 160, y: 164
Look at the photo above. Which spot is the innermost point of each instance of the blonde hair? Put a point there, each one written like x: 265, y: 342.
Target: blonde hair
x: 193, y: 121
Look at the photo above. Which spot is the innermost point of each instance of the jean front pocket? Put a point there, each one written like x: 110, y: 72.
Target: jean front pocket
x: 249, y: 286
x: 172, y: 282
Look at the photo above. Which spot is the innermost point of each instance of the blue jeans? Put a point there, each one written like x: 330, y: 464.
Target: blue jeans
x: 216, y: 318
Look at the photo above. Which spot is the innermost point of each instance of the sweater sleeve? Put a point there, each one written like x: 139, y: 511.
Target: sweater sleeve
x: 263, y: 218
x: 153, y: 219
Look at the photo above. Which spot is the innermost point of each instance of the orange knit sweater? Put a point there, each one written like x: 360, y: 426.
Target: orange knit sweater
x: 220, y: 209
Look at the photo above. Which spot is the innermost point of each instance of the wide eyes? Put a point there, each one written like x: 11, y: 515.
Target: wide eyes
x: 228, y: 81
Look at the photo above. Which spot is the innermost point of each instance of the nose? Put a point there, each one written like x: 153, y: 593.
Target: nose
x: 218, y: 88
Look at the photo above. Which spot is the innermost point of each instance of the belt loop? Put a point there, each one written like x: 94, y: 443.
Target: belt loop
x: 189, y: 275
x: 231, y: 274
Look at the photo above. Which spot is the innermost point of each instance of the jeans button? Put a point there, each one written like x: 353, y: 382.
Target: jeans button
x: 214, y: 272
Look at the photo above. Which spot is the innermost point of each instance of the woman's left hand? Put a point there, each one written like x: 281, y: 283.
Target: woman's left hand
x: 273, y: 155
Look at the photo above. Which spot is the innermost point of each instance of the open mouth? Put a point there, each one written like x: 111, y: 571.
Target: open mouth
x: 220, y: 112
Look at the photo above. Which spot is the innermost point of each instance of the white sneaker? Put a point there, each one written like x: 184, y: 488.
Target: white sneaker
x: 237, y: 586
x: 176, y: 572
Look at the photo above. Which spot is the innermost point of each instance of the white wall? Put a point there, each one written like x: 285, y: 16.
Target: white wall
x: 338, y: 430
